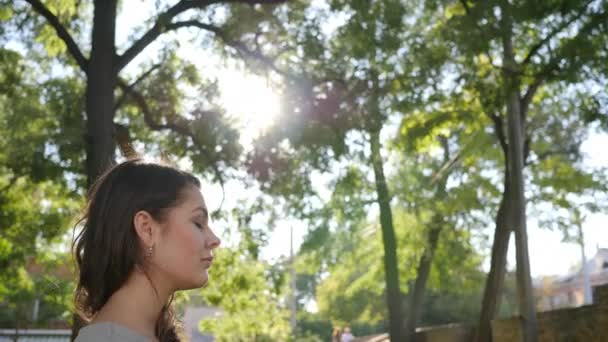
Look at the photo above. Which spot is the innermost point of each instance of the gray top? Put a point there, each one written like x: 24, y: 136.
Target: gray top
x: 108, y: 331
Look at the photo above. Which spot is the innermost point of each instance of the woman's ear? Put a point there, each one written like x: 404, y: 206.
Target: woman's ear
x: 145, y: 227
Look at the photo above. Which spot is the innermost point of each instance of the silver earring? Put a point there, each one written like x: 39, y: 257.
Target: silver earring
x: 149, y: 253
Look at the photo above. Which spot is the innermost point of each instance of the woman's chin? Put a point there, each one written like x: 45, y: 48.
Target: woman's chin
x: 199, y: 282
x: 202, y: 280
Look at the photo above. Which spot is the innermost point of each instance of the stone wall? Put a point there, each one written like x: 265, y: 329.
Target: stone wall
x: 445, y: 333
x: 442, y: 333
x: 585, y: 323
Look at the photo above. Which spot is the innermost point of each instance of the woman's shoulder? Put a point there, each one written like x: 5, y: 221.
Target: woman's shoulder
x: 108, y: 331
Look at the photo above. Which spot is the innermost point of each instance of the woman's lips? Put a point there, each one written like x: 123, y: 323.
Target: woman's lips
x: 207, y: 261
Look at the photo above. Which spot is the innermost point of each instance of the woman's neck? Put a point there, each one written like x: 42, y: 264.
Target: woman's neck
x: 136, y: 305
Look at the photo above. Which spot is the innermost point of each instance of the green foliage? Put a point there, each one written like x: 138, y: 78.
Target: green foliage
x: 251, y: 309
x: 49, y: 282
x: 313, y: 328
x: 555, y: 65
x: 193, y: 126
x: 34, y: 142
x: 43, y: 131
x: 429, y: 70
x: 35, y: 217
x: 5, y: 13
x: 352, y: 292
x: 36, y: 199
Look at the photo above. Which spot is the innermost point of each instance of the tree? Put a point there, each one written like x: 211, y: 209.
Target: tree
x: 342, y: 90
x: 201, y: 133
x: 534, y: 51
x: 427, y: 193
x: 352, y: 290
x: 36, y: 203
x: 332, y: 100
x: 333, y: 106
x: 251, y: 309
x: 102, y: 64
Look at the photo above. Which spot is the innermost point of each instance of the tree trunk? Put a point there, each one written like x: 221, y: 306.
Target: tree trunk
x: 422, y: 274
x: 389, y: 240
x: 101, y: 82
x: 416, y: 296
x: 524, y: 280
x: 492, y: 294
x: 516, y: 166
x: 99, y: 101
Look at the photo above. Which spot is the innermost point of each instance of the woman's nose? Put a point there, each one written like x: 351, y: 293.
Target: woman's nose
x: 214, y: 241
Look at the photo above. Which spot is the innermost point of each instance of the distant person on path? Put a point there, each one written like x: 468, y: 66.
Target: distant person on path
x: 145, y: 235
x: 347, y: 336
x: 336, y: 336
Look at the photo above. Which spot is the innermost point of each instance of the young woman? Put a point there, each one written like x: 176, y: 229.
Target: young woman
x: 146, y: 235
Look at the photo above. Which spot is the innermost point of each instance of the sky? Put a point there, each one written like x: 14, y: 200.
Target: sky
x: 252, y: 101
x: 548, y: 255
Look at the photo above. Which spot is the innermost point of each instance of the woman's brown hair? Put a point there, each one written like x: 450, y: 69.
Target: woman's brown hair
x: 107, y: 249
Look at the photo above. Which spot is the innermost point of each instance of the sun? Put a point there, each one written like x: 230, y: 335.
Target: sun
x: 250, y: 100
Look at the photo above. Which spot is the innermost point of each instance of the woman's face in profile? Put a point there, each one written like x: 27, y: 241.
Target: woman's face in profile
x: 185, y: 252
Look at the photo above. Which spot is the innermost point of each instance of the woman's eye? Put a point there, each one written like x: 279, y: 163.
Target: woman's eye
x: 200, y: 226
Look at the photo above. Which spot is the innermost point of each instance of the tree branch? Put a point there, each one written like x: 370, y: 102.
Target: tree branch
x: 552, y: 65
x: 443, y: 140
x: 534, y: 50
x: 174, y: 126
x: 500, y: 132
x: 550, y: 153
x: 143, y: 76
x: 239, y: 46
x: 62, y: 33
x: 467, y: 11
x: 466, y: 6
x: 10, y: 184
x: 450, y: 161
x: 164, y: 20
x: 525, y: 101
x: 123, y: 140
x: 524, y: 105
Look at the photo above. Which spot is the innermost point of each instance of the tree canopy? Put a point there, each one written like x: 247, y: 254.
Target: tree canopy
x: 413, y: 137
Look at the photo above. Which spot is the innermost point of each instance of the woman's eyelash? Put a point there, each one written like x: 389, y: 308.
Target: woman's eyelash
x: 198, y: 225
